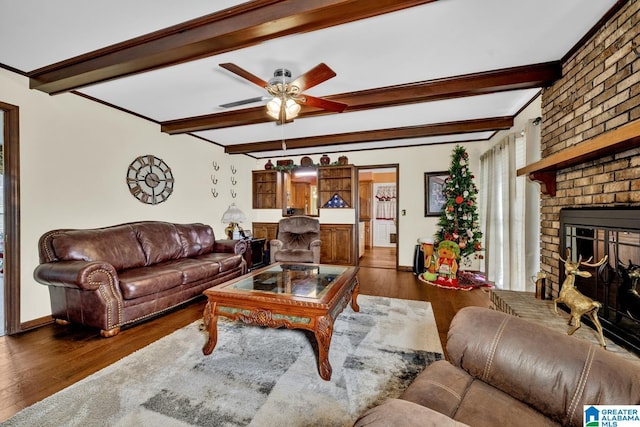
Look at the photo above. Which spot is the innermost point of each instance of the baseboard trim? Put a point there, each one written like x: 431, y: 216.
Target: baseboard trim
x: 35, y: 323
x: 405, y: 268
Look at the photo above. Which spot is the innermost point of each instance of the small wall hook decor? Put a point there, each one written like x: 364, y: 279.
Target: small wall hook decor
x: 216, y: 166
x: 233, y: 170
x: 233, y: 193
x: 214, y: 193
x: 214, y: 180
x: 233, y: 180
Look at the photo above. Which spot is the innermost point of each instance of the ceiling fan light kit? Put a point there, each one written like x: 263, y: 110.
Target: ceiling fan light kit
x: 287, y: 95
x: 291, y: 108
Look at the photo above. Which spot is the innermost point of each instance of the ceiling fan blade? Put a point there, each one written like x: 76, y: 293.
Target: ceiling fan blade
x: 325, y: 104
x: 244, y: 74
x: 314, y: 76
x: 243, y: 102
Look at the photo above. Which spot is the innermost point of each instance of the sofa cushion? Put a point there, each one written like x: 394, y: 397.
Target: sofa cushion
x: 197, y: 239
x: 441, y: 386
x: 160, y: 241
x: 486, y: 406
x: 117, y: 246
x: 294, y: 255
x: 194, y: 270
x: 227, y: 261
x: 138, y: 282
x: 401, y: 413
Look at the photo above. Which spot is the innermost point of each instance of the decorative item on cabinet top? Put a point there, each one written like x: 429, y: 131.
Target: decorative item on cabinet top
x: 336, y: 202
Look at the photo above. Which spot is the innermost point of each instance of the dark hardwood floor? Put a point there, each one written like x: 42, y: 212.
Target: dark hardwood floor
x: 38, y: 363
x: 379, y: 257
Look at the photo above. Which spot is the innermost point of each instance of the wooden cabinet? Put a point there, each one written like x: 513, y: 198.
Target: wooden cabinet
x: 336, y: 181
x: 365, y: 198
x: 267, y: 189
x: 337, y: 241
x: 264, y: 230
x: 337, y: 244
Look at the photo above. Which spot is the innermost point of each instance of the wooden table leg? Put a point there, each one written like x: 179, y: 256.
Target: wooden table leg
x: 354, y: 296
x: 323, y: 333
x: 211, y: 325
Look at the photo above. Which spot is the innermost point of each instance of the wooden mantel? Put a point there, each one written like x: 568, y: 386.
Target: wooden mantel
x: 606, y: 144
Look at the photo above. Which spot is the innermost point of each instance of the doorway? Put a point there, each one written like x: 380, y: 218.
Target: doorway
x: 9, y: 132
x: 2, y: 320
x: 378, y: 216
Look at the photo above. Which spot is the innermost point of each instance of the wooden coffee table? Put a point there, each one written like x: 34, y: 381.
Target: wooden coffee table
x: 300, y: 296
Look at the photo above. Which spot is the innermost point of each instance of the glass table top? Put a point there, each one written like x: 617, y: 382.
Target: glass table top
x: 304, y: 280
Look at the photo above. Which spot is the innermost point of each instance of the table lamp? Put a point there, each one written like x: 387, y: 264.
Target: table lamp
x: 233, y: 216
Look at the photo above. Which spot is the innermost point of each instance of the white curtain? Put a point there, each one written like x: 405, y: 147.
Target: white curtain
x: 386, y: 206
x: 502, y: 214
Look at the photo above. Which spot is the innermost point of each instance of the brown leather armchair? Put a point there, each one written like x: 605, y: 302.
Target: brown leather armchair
x: 298, y: 240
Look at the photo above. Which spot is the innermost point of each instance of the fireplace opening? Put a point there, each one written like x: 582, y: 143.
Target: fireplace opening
x: 615, y: 233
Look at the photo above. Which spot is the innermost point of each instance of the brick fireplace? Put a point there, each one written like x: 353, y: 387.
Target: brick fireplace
x: 591, y: 130
x: 591, y: 234
x: 598, y: 93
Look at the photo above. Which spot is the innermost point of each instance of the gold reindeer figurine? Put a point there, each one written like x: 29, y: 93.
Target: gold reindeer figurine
x: 577, y: 302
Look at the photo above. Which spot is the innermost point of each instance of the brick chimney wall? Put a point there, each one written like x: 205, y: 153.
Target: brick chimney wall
x: 598, y: 92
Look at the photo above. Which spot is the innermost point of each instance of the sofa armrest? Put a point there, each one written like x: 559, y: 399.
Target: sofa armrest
x: 315, y: 249
x: 275, y: 246
x: 397, y: 412
x: 84, y: 275
x: 237, y: 247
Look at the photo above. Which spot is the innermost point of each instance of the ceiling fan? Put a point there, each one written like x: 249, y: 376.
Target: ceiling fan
x: 286, y: 95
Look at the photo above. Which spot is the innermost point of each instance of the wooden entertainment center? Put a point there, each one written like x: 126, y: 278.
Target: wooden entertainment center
x: 335, y: 187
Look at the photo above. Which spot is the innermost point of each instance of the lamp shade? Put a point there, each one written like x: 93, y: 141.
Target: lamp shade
x: 234, y: 215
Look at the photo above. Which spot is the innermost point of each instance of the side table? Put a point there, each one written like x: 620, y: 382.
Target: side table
x: 255, y: 255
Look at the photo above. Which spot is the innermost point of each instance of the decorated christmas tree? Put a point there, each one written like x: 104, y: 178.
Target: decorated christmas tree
x: 459, y: 219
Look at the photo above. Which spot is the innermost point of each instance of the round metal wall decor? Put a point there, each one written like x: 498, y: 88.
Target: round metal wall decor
x: 150, y: 179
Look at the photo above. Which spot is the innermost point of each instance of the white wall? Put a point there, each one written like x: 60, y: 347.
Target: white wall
x: 75, y: 152
x: 74, y: 155
x: 413, y: 163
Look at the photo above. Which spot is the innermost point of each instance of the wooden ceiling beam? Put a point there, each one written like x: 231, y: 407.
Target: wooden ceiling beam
x: 437, y: 129
x: 523, y: 77
x: 227, y: 30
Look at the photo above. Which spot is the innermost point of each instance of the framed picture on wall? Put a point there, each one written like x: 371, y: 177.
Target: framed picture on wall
x: 434, y: 197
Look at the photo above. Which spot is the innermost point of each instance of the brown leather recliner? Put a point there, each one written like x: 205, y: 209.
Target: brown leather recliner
x: 506, y: 371
x: 298, y: 240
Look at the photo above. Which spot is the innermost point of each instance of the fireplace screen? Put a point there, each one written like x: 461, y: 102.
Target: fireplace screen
x: 615, y: 233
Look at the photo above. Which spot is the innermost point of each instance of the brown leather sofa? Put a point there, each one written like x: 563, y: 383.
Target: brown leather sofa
x: 506, y: 371
x: 118, y: 275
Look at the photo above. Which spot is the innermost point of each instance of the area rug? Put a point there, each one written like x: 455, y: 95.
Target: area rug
x: 255, y: 376
x: 467, y: 281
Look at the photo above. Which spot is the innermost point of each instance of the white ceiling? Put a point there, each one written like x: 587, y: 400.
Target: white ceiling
x: 440, y: 39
